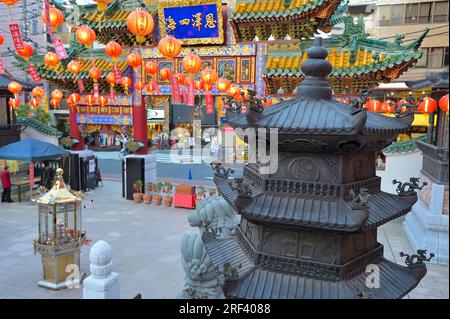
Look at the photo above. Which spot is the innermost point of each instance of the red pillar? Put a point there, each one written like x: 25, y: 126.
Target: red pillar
x: 140, y: 126
x: 74, y: 130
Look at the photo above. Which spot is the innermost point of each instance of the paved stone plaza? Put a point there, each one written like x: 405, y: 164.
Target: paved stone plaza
x: 146, y: 248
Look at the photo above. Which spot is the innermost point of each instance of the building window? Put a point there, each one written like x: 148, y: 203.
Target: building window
x: 440, y: 11
x: 34, y: 27
x: 425, y: 13
x: 446, y: 57
x: 423, y: 61
x: 412, y: 12
x: 436, y: 58
x: 397, y: 14
x: 384, y: 12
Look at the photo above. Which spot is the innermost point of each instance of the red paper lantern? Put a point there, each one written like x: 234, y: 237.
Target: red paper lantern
x: 234, y: 91
x: 165, y: 74
x: 10, y: 3
x: 375, y: 106
x: 150, y: 87
x: 74, y: 67
x: 151, y: 67
x: 443, y: 103
x: 90, y: 99
x: 74, y: 98
x: 14, y: 103
x: 223, y: 85
x: 56, y: 18
x: 57, y: 94
x: 95, y: 74
x: 111, y: 79
x: 134, y: 60
x: 388, y: 106
x: 34, y: 102
x: 126, y: 82
x: 2, y: 40
x: 181, y: 78
x: 55, y: 103
x: 169, y: 47
x: 192, y: 63
x: 103, y: 100
x: 427, y: 106
x: 209, y: 76
x: 14, y: 88
x: 26, y: 52
x: 38, y: 92
x: 199, y: 85
x: 141, y: 24
x: 51, y: 59
x: 85, y: 35
x: 113, y: 50
x: 139, y: 86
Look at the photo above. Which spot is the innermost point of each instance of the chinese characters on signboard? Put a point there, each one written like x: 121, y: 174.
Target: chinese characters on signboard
x: 194, y: 22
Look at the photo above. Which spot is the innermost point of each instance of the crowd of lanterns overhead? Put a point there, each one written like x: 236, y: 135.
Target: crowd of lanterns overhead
x: 426, y: 105
x: 141, y: 24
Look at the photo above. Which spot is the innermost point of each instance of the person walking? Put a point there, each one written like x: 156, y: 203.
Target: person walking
x: 48, y: 174
x: 6, y: 184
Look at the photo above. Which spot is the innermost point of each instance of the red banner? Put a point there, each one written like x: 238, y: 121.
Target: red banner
x: 59, y: 48
x: 47, y: 18
x: 157, y: 88
x: 31, y: 174
x: 118, y: 75
x: 16, y: 36
x: 191, y: 94
x: 80, y: 85
x: 2, y: 68
x: 96, y: 92
x: 112, y: 95
x: 184, y: 96
x: 209, y: 103
x: 176, y: 98
x: 33, y: 72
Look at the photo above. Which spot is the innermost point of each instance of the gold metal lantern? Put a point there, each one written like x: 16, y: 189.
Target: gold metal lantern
x: 60, y: 234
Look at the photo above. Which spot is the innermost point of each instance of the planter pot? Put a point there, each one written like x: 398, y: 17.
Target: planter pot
x: 157, y: 199
x: 137, y: 197
x: 147, y: 199
x: 168, y: 201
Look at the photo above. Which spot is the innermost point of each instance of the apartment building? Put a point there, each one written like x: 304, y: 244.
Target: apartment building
x: 386, y: 18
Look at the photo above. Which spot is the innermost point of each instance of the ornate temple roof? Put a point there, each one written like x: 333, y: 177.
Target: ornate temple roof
x: 112, y: 24
x: 298, y: 18
x: 255, y: 281
x: 38, y: 126
x: 358, y: 62
x: 327, y: 212
x: 406, y: 146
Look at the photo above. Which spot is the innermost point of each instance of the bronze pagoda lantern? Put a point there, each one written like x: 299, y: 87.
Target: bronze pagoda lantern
x: 309, y: 230
x: 60, y: 234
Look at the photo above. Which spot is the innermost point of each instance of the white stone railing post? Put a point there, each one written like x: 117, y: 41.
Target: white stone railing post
x: 102, y: 283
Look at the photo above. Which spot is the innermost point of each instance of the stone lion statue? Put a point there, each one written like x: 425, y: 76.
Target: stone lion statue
x: 215, y: 217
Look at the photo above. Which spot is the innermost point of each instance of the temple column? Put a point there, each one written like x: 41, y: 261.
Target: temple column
x: 140, y: 133
x: 74, y: 130
x: 140, y: 126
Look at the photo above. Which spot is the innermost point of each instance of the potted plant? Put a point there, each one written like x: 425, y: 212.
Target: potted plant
x: 200, y: 194
x: 148, y: 196
x: 137, y: 195
x: 212, y: 192
x: 157, y: 197
x: 168, y: 197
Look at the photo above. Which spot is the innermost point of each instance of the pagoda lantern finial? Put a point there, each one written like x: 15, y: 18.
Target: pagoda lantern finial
x: 316, y: 70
